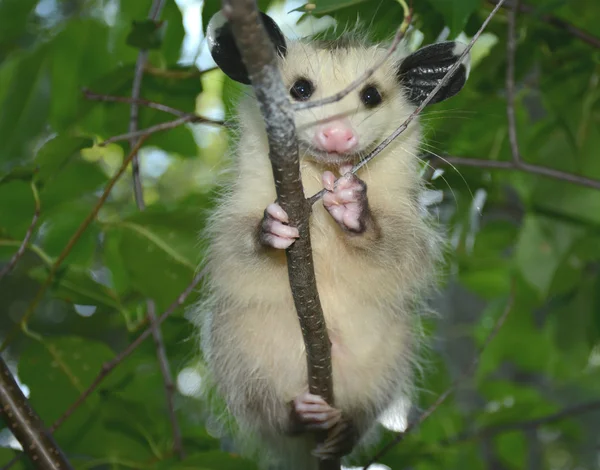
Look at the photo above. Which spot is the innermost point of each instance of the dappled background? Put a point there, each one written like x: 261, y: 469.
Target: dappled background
x: 520, y: 242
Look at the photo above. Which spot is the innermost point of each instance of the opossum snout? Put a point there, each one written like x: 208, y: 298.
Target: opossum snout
x: 336, y: 136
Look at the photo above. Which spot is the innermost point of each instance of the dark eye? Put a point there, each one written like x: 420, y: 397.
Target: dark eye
x: 302, y: 89
x: 370, y: 96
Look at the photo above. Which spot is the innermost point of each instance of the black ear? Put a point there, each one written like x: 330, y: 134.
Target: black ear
x: 226, y: 54
x: 421, y: 71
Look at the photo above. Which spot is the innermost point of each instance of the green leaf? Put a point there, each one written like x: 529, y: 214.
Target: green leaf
x: 145, y: 34
x: 540, y: 249
x: 24, y: 103
x: 455, y: 13
x: 57, y: 152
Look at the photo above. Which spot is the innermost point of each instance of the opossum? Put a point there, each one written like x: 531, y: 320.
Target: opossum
x: 375, y: 251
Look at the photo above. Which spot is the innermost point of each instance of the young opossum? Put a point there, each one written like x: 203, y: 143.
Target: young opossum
x: 374, y: 251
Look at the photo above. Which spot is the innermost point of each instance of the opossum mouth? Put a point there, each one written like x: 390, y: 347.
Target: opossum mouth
x: 329, y: 158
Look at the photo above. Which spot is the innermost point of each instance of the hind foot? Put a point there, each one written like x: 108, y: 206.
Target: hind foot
x: 312, y: 413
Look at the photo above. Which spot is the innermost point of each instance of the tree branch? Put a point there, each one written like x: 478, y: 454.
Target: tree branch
x: 90, y: 95
x: 36, y: 215
x: 22, y: 420
x: 192, y: 118
x: 470, y: 370
x: 165, y: 370
x: 259, y: 57
x: 67, y: 249
x: 557, y: 23
x: 155, y: 10
x: 163, y: 361
x: 388, y: 140
x: 520, y: 166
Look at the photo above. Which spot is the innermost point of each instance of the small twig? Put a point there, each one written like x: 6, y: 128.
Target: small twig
x: 511, y: 49
x: 27, y: 427
x: 192, y: 118
x: 109, y: 366
x: 521, y: 166
x: 70, y: 244
x: 367, y: 74
x: 168, y: 381
x: 155, y: 10
x: 90, y: 95
x: 469, y: 371
x: 557, y: 23
x: 176, y: 74
x: 163, y: 361
x: 388, y: 140
x: 133, y: 125
x: 523, y: 425
x: 36, y: 215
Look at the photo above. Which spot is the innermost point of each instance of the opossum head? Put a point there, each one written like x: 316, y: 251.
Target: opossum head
x: 343, y: 131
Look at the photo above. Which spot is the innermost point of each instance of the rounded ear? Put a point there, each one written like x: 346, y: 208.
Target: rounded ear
x: 421, y: 71
x: 225, y: 52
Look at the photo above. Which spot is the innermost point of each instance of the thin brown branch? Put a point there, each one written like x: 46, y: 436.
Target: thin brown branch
x: 388, y: 140
x: 442, y: 398
x: 589, y: 407
x: 27, y: 427
x: 67, y: 249
x: 259, y: 57
x: 511, y: 49
x: 165, y: 370
x: 521, y: 166
x: 366, y: 75
x: 153, y: 15
x: 192, y: 118
x: 176, y: 74
x: 557, y: 23
x: 163, y: 361
x: 90, y: 95
x: 109, y: 366
x: 36, y: 215
x: 133, y: 125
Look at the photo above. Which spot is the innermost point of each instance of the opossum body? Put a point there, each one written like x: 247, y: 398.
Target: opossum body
x: 374, y: 252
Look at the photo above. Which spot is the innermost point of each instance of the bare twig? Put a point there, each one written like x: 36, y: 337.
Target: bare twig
x: 259, y: 57
x: 155, y: 10
x: 162, y: 127
x: 489, y: 431
x: 557, y: 23
x: 469, y: 371
x: 520, y: 166
x: 167, y: 378
x: 133, y: 125
x: 163, y: 361
x: 25, y: 424
x: 388, y: 140
x: 176, y: 74
x: 366, y: 75
x: 90, y: 95
x: 36, y: 215
x: 511, y: 49
x: 109, y: 366
x: 67, y: 249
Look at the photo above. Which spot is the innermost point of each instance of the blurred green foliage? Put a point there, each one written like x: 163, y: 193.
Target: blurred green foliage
x: 542, y: 233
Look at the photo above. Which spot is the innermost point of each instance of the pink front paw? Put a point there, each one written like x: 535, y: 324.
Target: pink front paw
x: 346, y: 202
x: 273, y: 229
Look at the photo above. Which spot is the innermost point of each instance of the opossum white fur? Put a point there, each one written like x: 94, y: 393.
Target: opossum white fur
x: 371, y: 285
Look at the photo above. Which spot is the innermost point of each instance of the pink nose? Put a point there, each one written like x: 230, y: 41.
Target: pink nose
x: 336, y: 136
